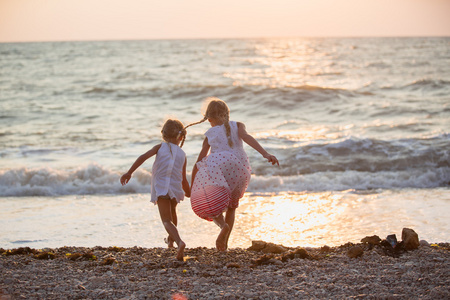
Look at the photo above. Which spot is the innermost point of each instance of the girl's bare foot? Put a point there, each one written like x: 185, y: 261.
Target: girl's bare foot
x: 169, y: 242
x: 226, y: 240
x: 180, y: 253
x: 221, y: 242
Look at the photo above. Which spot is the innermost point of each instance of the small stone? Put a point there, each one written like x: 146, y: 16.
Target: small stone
x: 108, y: 261
x: 372, y: 240
x: 410, y: 239
x: 233, y: 265
x: 302, y: 253
x: 257, y: 245
x: 424, y: 243
x: 273, y: 248
x: 355, y: 251
x: 325, y: 249
x: 275, y: 261
x: 392, y: 240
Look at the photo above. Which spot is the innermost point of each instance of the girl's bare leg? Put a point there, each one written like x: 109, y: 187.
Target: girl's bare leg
x: 221, y: 241
x: 165, y: 211
x: 173, y: 208
x: 229, y: 219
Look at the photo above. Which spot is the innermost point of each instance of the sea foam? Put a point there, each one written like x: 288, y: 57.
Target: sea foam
x: 96, y: 179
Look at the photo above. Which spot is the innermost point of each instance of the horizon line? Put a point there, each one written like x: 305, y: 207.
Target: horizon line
x: 223, y: 38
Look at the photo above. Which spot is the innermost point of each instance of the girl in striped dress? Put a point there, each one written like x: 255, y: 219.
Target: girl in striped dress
x: 221, y: 178
x: 169, y: 183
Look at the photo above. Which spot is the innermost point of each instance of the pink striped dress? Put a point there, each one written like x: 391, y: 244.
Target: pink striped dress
x: 223, y: 175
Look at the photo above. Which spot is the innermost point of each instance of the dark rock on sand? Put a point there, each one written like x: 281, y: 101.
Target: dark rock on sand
x: 325, y: 249
x: 371, y: 240
x: 257, y: 246
x: 410, y: 239
x: 355, y: 252
x: 297, y: 253
x: 267, y: 247
x: 424, y: 243
x: 274, y: 248
x: 392, y: 239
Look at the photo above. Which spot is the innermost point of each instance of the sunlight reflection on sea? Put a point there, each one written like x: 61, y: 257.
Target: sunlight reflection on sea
x: 292, y: 219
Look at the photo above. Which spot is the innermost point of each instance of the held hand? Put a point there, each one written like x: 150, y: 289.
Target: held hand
x: 272, y: 159
x: 125, y: 178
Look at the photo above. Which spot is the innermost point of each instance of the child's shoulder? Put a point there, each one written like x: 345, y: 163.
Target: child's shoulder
x: 240, y: 124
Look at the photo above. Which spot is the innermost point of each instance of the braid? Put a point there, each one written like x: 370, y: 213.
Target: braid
x: 184, y: 132
x: 228, y: 130
x: 192, y: 124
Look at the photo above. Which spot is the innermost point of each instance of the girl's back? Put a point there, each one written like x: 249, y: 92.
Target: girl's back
x: 167, y: 172
x: 218, y: 140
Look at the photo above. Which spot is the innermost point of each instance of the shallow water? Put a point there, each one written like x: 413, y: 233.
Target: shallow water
x: 291, y: 219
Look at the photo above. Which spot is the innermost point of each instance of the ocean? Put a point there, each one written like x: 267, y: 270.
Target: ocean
x: 360, y: 127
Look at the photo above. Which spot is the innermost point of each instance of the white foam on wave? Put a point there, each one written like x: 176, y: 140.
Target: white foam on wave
x: 92, y: 179
x: 340, y: 181
x: 95, y: 179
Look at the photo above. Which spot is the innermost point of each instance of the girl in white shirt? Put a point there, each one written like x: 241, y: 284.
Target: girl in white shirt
x: 168, y: 178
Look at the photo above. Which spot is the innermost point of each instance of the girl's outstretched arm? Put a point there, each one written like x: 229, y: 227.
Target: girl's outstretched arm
x: 202, y: 154
x: 243, y: 134
x: 185, y: 183
x: 139, y: 161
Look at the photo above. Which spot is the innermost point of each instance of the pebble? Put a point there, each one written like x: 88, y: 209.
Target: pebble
x: 417, y: 274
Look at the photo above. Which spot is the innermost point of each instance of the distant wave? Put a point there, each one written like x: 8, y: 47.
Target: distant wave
x: 429, y: 84
x: 351, y: 180
x: 100, y: 90
x: 424, y: 85
x: 364, y: 155
x: 269, y: 95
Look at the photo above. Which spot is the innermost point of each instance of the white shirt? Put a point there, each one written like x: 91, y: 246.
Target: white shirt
x: 167, y: 172
x: 218, y: 140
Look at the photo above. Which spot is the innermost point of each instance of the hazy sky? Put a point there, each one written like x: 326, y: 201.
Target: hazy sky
x: 56, y: 20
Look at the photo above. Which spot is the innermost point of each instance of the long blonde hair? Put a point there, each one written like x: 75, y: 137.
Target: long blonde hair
x: 217, y: 109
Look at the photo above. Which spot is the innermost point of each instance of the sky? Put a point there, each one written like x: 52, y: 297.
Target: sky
x: 68, y: 20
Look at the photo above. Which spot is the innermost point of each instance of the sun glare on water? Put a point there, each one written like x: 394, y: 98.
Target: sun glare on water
x: 291, y: 219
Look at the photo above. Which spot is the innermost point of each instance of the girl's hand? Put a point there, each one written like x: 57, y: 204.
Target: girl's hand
x: 272, y: 159
x: 125, y: 178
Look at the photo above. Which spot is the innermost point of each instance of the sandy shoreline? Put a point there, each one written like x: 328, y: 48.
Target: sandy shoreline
x: 154, y: 273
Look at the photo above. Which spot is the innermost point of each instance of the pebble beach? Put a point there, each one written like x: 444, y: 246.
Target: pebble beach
x: 205, y: 273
